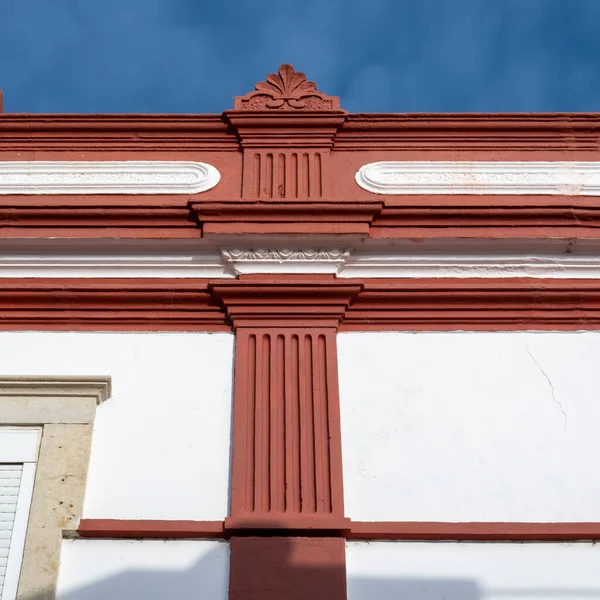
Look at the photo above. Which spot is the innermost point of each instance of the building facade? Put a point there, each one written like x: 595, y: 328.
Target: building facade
x: 289, y: 352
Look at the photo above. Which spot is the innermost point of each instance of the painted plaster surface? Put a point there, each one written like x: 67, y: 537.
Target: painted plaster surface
x: 149, y: 569
x: 161, y: 444
x: 428, y: 571
x: 470, y: 426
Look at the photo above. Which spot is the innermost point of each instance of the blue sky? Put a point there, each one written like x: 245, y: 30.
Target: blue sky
x: 193, y: 56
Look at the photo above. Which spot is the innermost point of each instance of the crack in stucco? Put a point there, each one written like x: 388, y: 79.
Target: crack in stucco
x: 552, y: 391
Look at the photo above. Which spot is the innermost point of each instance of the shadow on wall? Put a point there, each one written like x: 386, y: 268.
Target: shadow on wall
x: 288, y: 569
x: 291, y: 572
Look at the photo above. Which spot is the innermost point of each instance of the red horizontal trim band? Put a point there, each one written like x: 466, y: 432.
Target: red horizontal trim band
x: 82, y: 304
x: 475, y: 532
x: 356, y: 530
x: 141, y: 529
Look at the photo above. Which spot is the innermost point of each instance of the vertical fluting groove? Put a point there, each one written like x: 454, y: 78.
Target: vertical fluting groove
x: 306, y: 173
x: 258, y: 426
x: 250, y: 425
x: 304, y: 441
x: 281, y: 176
x: 270, y: 174
x: 294, y: 449
x: 311, y: 492
x: 257, y: 175
x: 324, y: 419
x: 277, y: 453
x: 294, y: 174
x: 266, y: 429
x: 318, y: 428
x: 318, y: 178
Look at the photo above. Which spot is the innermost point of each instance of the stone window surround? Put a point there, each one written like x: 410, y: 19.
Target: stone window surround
x: 64, y: 407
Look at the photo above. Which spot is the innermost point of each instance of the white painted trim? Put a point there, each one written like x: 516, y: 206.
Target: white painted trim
x: 35, y: 399
x: 454, y: 258
x: 152, y: 264
x: 106, y: 177
x: 490, y: 267
x: 278, y: 261
x: 98, y: 388
x: 17, y: 540
x: 479, y: 177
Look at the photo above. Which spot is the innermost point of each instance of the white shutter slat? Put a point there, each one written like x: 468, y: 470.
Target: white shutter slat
x: 16, y: 486
x: 10, y: 482
x: 18, y: 454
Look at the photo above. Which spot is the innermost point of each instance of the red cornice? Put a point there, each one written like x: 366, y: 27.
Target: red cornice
x: 109, y: 305
x: 366, y: 131
x: 359, y: 305
x: 131, y: 133
x: 317, y: 217
x: 475, y: 305
x: 276, y: 303
x: 288, y: 156
x: 473, y: 132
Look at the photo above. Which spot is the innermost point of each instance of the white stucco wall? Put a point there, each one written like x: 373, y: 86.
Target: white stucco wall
x: 161, y: 445
x: 430, y: 571
x: 471, y: 426
x: 149, y: 570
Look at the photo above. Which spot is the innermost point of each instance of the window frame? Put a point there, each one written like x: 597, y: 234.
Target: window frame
x: 62, y: 411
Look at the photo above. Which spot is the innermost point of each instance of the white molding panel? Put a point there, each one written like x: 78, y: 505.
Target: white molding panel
x: 304, y: 260
x: 106, y: 177
x: 113, y: 264
x: 19, y: 259
x: 490, y: 266
x: 479, y: 177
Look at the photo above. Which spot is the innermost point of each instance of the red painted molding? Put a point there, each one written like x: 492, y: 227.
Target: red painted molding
x: 322, y: 217
x: 352, y: 305
x: 475, y: 532
x: 142, y: 529
x: 419, y: 133
x: 287, y: 463
x: 278, y: 301
x: 109, y: 305
x: 58, y: 219
x: 474, y: 305
x: 65, y: 133
x: 355, y: 530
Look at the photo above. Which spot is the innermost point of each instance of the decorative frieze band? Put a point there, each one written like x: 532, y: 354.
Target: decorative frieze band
x: 106, y: 177
x: 574, y: 178
x: 304, y: 260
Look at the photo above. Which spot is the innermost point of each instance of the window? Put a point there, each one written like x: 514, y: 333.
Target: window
x: 45, y: 437
x: 18, y: 455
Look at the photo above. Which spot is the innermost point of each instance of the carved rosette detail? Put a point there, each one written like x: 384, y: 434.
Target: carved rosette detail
x: 286, y: 90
